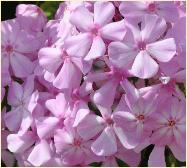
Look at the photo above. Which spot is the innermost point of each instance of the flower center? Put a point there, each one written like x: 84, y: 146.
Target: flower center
x: 95, y: 30
x: 151, y: 7
x: 77, y: 143
x: 9, y: 49
x: 140, y: 117
x: 141, y: 45
x: 109, y: 121
x: 171, y: 123
x: 65, y: 55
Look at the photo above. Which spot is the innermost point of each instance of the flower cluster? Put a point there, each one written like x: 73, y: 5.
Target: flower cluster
x: 100, y: 82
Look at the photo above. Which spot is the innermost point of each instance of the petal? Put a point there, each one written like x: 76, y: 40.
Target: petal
x: 40, y: 154
x: 21, y: 65
x: 169, y: 11
x: 26, y: 122
x: 50, y: 58
x: 103, y: 12
x: 105, y: 144
x: 19, y: 143
x: 127, y: 139
x: 157, y: 157
x: 78, y: 45
x: 140, y: 70
x: 107, y: 90
x: 161, y: 136
x: 132, y: 9
x: 69, y: 76
x: 33, y: 102
x: 90, y: 126
x: 178, y: 152
x: 84, y: 66
x: 121, y: 55
x: 57, y: 106
x: 28, y: 87
x: 10, y: 30
x: 62, y: 140
x: 81, y: 114
x: 15, y: 94
x: 45, y: 126
x: 180, y: 76
x: 129, y: 156
x: 153, y: 27
x: 132, y: 94
x: 163, y: 50
x: 97, y: 49
x: 13, y: 119
x: 73, y: 157
x: 27, y: 43
x: 114, y: 31
x: 83, y: 14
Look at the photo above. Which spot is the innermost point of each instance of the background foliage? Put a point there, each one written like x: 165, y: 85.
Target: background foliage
x: 49, y: 7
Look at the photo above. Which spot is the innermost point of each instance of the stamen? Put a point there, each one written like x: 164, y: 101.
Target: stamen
x: 140, y: 117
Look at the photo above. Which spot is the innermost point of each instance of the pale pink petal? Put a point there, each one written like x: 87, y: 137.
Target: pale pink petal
x: 40, y: 154
x: 78, y: 45
x: 121, y: 55
x: 107, y: 90
x: 33, y: 101
x: 82, y: 112
x: 27, y: 43
x: 19, y: 143
x: 86, y: 88
x: 103, y: 12
x: 127, y: 139
x: 62, y: 140
x: 45, y: 126
x: 132, y: 94
x: 105, y: 144
x: 157, y: 157
x: 132, y: 9
x: 114, y: 31
x: 129, y: 156
x: 140, y: 70
x: 178, y: 152
x: 90, y: 126
x: 10, y: 29
x: 162, y: 136
x: 168, y: 10
x: 163, y: 50
x: 73, y: 157
x: 152, y: 28
x: 68, y: 77
x: 97, y: 49
x: 28, y: 87
x: 15, y: 94
x: 57, y: 106
x: 50, y: 58
x: 83, y: 65
x: 83, y: 14
x: 180, y: 76
x: 26, y: 122
x: 13, y: 119
x: 21, y: 65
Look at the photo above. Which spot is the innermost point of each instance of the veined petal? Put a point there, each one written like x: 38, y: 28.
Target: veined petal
x: 103, y: 12
x: 105, y: 144
x: 144, y: 66
x: 163, y: 50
